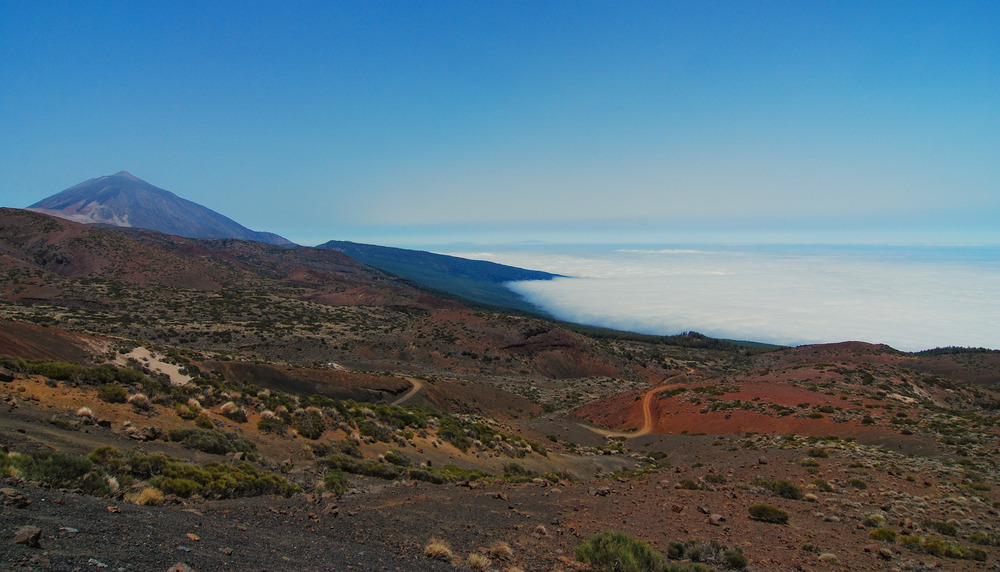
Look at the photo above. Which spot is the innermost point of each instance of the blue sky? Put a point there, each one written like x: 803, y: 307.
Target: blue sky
x: 420, y: 122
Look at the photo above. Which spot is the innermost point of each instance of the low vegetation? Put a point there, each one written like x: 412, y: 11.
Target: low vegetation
x: 768, y: 513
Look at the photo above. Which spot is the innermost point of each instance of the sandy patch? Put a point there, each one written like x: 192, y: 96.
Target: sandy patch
x: 155, y: 364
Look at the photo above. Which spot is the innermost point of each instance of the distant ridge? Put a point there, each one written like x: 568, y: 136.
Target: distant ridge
x: 476, y: 280
x: 125, y: 200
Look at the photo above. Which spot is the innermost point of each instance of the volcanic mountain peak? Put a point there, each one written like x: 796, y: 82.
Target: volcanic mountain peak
x: 125, y: 200
x: 128, y: 175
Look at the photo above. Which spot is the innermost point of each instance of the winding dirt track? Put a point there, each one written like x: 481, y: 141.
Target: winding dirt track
x: 648, y: 423
x: 418, y: 385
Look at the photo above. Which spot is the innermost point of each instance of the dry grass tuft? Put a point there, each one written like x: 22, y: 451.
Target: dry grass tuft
x: 499, y: 551
x: 438, y: 550
x: 85, y: 412
x: 139, y: 402
x: 148, y: 496
x: 477, y: 561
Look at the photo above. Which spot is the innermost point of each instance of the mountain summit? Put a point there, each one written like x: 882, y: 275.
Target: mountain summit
x: 125, y: 200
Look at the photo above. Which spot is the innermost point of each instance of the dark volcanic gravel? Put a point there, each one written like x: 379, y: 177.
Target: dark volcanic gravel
x: 83, y: 533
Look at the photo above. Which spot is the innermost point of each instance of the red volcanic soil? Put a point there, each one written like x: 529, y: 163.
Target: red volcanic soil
x: 675, y: 415
x: 31, y: 341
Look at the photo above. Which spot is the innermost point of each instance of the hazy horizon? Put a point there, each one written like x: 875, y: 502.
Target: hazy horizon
x: 441, y: 122
x: 909, y: 298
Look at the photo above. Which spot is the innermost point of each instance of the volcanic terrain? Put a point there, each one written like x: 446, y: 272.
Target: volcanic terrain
x: 224, y: 404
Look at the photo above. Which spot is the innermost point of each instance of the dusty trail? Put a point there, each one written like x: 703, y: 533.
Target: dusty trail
x: 648, y: 423
x: 418, y: 385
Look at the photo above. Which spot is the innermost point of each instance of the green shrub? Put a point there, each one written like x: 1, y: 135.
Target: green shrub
x: 942, y: 527
x: 360, y: 467
x: 819, y: 453
x: 715, y: 479
x: 219, y: 480
x: 211, y: 441
x: 710, y: 552
x: 687, y: 567
x: 309, y: 423
x: 185, y: 412
x: 688, y: 484
x: 823, y: 485
x: 372, y: 429
x: 451, y: 431
x: 780, y: 488
x: 858, y: 484
x: 617, y: 552
x: 174, y: 476
x: 334, y: 482
x: 768, y: 513
x: 112, y: 393
x: 62, y: 470
x: 397, y: 458
x: 455, y: 474
x: 429, y: 476
x: 349, y: 448
x: 883, y: 534
x: 272, y: 425
x: 943, y: 548
x: 873, y: 521
x: 985, y: 538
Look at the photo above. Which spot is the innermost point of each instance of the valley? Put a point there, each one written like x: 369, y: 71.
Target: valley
x: 226, y: 404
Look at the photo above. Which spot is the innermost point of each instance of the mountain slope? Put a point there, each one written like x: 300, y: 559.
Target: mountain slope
x: 476, y: 280
x: 125, y: 200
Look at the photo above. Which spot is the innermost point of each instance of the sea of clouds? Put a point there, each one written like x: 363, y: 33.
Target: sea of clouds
x: 907, y: 297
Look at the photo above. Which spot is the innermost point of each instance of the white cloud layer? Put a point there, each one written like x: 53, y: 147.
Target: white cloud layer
x: 909, y: 298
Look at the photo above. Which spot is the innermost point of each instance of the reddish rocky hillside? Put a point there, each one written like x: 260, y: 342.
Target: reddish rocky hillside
x: 264, y: 302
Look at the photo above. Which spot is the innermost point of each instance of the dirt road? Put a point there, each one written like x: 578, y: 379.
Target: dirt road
x: 648, y: 423
x: 418, y: 386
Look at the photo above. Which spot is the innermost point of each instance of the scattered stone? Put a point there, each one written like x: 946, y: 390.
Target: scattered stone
x: 677, y: 508
x: 180, y: 567
x: 601, y: 492
x: 153, y: 433
x: 226, y: 550
x: 97, y: 563
x: 14, y: 498
x: 193, y: 536
x: 114, y: 509
x: 716, y: 519
x: 30, y: 536
x: 703, y: 509
x: 762, y: 461
x: 885, y: 554
x: 501, y: 495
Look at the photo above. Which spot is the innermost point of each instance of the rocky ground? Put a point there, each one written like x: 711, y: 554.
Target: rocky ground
x: 386, y: 525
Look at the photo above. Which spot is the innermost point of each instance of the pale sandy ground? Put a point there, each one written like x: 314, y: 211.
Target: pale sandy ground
x: 153, y: 362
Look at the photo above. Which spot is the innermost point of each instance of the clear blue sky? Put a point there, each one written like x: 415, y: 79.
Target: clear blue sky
x: 495, y: 121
